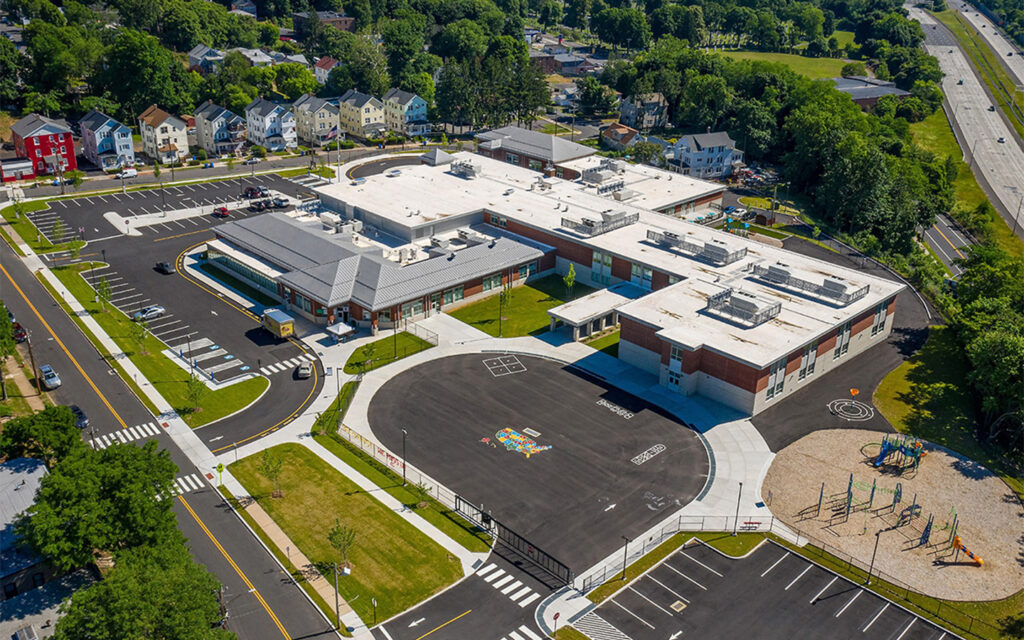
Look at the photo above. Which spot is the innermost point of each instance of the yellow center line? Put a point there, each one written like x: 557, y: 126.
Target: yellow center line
x: 294, y: 414
x: 443, y: 625
x: 234, y: 566
x: 181, y: 235
x: 180, y: 261
x: 60, y: 343
x: 947, y: 240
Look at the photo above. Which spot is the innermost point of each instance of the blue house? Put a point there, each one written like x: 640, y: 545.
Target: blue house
x: 106, y: 142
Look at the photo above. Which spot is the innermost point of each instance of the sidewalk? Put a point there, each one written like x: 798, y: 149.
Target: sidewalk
x: 25, y: 388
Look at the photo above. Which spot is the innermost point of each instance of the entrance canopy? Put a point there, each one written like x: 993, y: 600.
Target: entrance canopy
x: 596, y: 305
x: 340, y: 330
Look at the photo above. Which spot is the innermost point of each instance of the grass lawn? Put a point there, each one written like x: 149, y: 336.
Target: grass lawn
x: 332, y: 416
x: 168, y: 378
x: 758, y: 229
x: 16, y: 404
x: 526, y: 314
x: 843, y: 37
x: 391, y: 560
x: 607, y: 344
x: 238, y: 285
x: 434, y: 512
x: 384, y: 351
x: 568, y: 633
x: 755, y: 202
x: 323, y: 172
x: 810, y: 67
x: 927, y: 397
x: 28, y: 232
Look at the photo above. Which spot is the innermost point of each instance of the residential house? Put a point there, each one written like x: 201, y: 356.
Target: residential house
x: 568, y: 64
x: 46, y: 143
x: 406, y: 113
x: 532, y: 150
x: 256, y: 57
x: 556, y: 49
x: 164, y: 137
x: 361, y: 115
x: 246, y: 6
x: 647, y: 111
x: 619, y: 137
x: 218, y: 130
x: 300, y: 20
x: 21, y: 570
x: 544, y: 60
x: 866, y: 91
x: 280, y: 57
x: 705, y: 155
x: 323, y: 67
x: 270, y: 125
x: 106, y: 142
x: 204, y: 59
x: 565, y: 95
x: 15, y: 33
x: 316, y: 120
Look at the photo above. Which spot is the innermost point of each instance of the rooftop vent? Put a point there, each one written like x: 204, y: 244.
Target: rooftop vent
x: 466, y: 169
x: 438, y: 242
x: 742, y: 307
x: 831, y: 288
x: 716, y: 252
x: 610, y: 220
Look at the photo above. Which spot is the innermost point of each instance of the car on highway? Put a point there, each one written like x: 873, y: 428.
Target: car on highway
x: 49, y: 377
x: 991, y: 107
x: 81, y: 420
x: 151, y: 312
x: 165, y: 268
x: 256, y: 206
x: 1002, y: 140
x: 220, y: 212
x: 19, y: 333
x: 304, y: 370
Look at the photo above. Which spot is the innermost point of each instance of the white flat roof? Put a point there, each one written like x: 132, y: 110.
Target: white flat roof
x: 596, y: 304
x: 654, y: 188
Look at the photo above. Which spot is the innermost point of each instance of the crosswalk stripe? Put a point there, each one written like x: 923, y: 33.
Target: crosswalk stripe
x: 525, y: 630
x: 119, y: 435
x: 96, y: 444
x: 307, y: 357
x: 497, y: 584
x: 292, y: 362
x: 150, y: 429
x: 193, y: 481
x: 529, y: 600
x: 519, y: 594
x: 106, y: 442
x: 135, y: 434
x: 494, y: 575
x: 514, y: 636
x: 264, y: 370
x: 487, y: 569
x: 512, y: 587
x: 182, y: 485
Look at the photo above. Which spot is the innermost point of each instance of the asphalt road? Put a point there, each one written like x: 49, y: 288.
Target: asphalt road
x: 783, y: 596
x: 609, y: 464
x: 261, y: 602
x: 1000, y: 44
x: 948, y: 243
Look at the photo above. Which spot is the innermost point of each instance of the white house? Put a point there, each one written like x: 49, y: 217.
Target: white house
x: 164, y: 137
x: 361, y: 114
x: 270, y: 125
x: 316, y: 120
x: 704, y: 155
x: 323, y: 67
x: 218, y: 130
x: 106, y: 142
x: 406, y: 113
x: 256, y: 57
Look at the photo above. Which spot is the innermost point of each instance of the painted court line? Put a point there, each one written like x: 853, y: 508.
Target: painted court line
x: 666, y: 588
x: 648, y: 600
x: 855, y: 596
x: 877, y: 616
x: 774, y: 565
x: 683, y: 553
x: 686, y: 576
x: 632, y: 614
x: 798, y: 577
x: 818, y: 595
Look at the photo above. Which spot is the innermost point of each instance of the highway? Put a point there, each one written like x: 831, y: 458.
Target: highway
x: 995, y: 39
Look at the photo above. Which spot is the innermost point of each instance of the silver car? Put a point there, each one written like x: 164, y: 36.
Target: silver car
x: 151, y: 312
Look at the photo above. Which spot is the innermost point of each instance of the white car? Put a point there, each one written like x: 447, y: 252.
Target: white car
x: 149, y: 313
x: 304, y: 370
x: 128, y: 173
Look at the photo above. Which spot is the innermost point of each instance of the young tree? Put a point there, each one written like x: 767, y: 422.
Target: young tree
x: 57, y: 231
x: 196, y: 390
x: 139, y: 331
x: 341, y: 538
x: 156, y: 173
x: 50, y: 435
x: 270, y: 466
x: 104, y: 292
x: 75, y: 248
x: 7, y: 347
x: 570, y: 280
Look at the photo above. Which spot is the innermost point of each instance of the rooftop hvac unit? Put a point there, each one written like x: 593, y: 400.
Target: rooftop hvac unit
x: 466, y: 169
x: 779, y: 272
x: 837, y: 285
x: 612, y: 216
x: 464, y: 234
x: 330, y: 219
x: 509, y: 192
x: 357, y: 225
x: 588, y: 222
x: 748, y: 302
x: 345, y: 228
x: 439, y: 242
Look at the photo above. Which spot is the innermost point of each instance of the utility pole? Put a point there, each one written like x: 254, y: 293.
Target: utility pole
x: 32, y: 359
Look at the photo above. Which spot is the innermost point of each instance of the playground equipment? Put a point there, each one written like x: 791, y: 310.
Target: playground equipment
x: 908, y: 453
x: 958, y: 543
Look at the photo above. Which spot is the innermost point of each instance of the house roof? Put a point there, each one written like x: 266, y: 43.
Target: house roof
x: 210, y: 111
x: 323, y: 15
x: 262, y: 107
x: 620, y: 133
x: 533, y: 143
x: 37, y: 125
x: 648, y: 98
x: 154, y: 116
x: 700, y: 141
x: 254, y: 55
x: 93, y: 120
x: 201, y: 51
x: 359, y: 99
x: 19, y: 481
x: 326, y: 63
x: 564, y: 58
x: 401, y: 97
x: 312, y: 104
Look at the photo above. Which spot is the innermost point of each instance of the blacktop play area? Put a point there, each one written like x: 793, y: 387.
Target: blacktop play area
x: 567, y: 461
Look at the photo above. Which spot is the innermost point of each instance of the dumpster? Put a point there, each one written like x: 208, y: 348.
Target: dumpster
x: 278, y: 323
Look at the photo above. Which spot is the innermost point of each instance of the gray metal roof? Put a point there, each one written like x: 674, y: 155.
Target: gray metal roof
x: 713, y: 139
x: 94, y: 120
x: 533, y: 143
x: 19, y: 481
x: 212, y: 112
x: 401, y: 97
x: 291, y: 245
x: 263, y: 107
x: 358, y: 99
x: 437, y: 156
x: 35, y: 124
x: 312, y: 104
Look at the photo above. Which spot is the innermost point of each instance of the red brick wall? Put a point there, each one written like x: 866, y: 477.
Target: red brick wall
x: 793, y: 361
x: 828, y: 343
x: 732, y: 372
x: 472, y: 287
x: 707, y: 199
x: 862, y: 322
x: 565, y: 248
x: 659, y: 281
x: 621, y: 268
x: 639, y: 334
x: 548, y: 261
x: 355, y: 312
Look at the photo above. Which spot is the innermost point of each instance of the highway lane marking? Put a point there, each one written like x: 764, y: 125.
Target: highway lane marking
x: 234, y: 566
x: 64, y: 348
x: 442, y: 626
x: 936, y: 227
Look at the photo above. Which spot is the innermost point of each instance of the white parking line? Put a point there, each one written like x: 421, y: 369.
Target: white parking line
x: 797, y: 578
x: 666, y: 588
x: 855, y: 596
x: 877, y: 616
x: 62, y: 204
x: 117, y: 301
x: 700, y: 563
x: 632, y: 614
x: 686, y: 576
x: 649, y: 600
x: 900, y: 637
x: 824, y: 589
x: 774, y: 565
x: 101, y: 198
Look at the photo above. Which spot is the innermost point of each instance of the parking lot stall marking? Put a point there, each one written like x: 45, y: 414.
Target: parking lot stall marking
x: 855, y: 596
x: 686, y: 576
x: 223, y: 366
x: 526, y: 601
x: 683, y: 553
x: 775, y: 565
x: 510, y: 588
x: 494, y: 575
x: 666, y: 588
x: 912, y: 621
x: 497, y: 584
x: 808, y: 568
x: 199, y: 357
x: 824, y: 589
x: 649, y: 600
x: 61, y: 202
x: 616, y: 603
x: 877, y: 616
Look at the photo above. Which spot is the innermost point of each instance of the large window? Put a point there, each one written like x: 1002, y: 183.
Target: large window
x: 512, y: 158
x: 842, y: 342
x: 452, y: 295
x: 601, y: 269
x: 527, y: 270
x: 807, y: 360
x: 492, y: 282
x: 413, y: 308
x: 776, y: 379
x: 880, y: 313
x: 641, y: 275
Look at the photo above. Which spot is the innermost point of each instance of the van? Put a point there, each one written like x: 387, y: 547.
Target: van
x: 128, y: 173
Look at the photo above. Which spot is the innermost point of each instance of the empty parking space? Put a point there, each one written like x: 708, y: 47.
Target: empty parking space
x: 697, y: 591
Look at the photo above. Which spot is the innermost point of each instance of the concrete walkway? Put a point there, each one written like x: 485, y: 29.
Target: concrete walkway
x: 25, y: 388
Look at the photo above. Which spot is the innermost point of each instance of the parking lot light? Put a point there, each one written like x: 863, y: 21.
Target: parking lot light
x: 404, y: 435
x: 736, y: 521
x: 625, y: 555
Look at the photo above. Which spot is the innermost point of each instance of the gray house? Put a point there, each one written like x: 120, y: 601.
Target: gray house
x: 106, y: 142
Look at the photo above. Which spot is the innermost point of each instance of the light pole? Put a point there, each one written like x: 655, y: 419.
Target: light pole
x: 1016, y: 218
x: 878, y: 536
x: 404, y: 435
x: 736, y: 521
x: 625, y: 555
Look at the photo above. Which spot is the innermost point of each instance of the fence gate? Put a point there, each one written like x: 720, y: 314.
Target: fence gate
x: 524, y: 547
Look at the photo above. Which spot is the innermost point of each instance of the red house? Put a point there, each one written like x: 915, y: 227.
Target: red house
x: 44, y: 142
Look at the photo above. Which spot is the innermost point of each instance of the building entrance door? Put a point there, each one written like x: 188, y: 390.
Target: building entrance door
x: 435, y: 303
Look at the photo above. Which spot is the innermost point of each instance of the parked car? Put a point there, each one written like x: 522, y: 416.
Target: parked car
x: 10, y: 316
x: 251, y: 192
x: 256, y: 205
x: 267, y: 203
x: 151, y: 312
x: 127, y: 173
x: 49, y: 377
x: 81, y: 420
x: 281, y: 203
x: 19, y: 333
x: 220, y: 212
x: 262, y: 191
x: 251, y: 161
x: 304, y: 370
x: 165, y: 268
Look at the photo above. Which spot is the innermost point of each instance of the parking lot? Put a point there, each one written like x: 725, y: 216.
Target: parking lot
x: 698, y: 592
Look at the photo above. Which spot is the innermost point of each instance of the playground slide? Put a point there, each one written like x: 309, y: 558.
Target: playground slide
x: 958, y: 543
x: 884, y: 453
